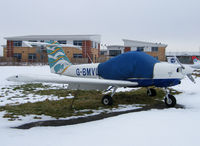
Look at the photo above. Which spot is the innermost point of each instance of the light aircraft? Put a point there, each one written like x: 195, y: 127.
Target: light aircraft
x: 131, y: 69
x: 175, y: 60
x: 196, y: 62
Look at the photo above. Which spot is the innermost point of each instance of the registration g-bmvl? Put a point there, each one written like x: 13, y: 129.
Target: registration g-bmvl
x: 131, y: 69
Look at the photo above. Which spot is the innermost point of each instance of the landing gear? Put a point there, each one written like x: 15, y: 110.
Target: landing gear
x: 151, y: 92
x: 107, y: 99
x: 170, y: 100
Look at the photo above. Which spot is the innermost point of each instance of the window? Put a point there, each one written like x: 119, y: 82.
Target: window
x: 103, y: 52
x: 154, y: 49
x: 77, y: 55
x: 18, y: 56
x: 62, y: 41
x: 42, y: 57
x: 31, y: 57
x: 140, y: 48
x: 42, y: 47
x: 114, y: 52
x: 17, y: 43
x: 77, y: 43
x: 94, y: 44
x: 32, y: 40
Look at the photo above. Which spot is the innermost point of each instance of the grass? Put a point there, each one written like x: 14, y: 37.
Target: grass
x: 83, y: 100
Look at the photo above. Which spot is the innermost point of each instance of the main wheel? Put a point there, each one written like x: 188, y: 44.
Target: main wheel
x: 151, y: 92
x: 170, y: 101
x: 107, y: 100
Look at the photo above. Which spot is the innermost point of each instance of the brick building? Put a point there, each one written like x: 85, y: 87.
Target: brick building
x: 85, y: 48
x: 156, y: 50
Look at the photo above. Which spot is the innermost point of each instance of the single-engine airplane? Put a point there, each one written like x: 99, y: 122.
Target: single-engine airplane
x: 131, y: 69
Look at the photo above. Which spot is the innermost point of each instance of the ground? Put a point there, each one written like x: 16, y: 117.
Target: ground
x: 155, y: 127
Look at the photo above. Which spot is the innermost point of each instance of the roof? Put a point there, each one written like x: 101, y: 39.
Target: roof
x: 95, y: 37
x: 115, y: 46
x: 135, y: 43
x: 182, y: 53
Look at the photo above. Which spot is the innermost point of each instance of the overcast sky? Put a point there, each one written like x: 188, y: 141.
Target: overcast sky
x: 173, y: 22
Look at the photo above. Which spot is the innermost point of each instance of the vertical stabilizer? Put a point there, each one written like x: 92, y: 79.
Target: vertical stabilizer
x: 57, y: 59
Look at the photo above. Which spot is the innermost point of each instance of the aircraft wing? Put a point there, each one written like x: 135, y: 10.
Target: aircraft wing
x: 73, y: 82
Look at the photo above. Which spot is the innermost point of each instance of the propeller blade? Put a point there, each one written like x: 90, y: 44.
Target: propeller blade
x: 189, y: 75
x: 191, y: 78
x: 179, y: 62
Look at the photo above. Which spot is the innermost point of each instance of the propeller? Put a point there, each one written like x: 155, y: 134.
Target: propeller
x: 188, y: 70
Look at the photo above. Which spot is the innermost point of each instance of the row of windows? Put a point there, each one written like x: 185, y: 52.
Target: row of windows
x: 75, y: 42
x: 32, y: 56
x: 77, y: 56
x: 114, y: 52
x: 153, y: 49
x: 117, y: 52
x: 78, y: 43
x: 17, y: 43
x: 62, y: 41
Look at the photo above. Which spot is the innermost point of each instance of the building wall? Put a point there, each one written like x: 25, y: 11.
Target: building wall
x: 127, y: 49
x: 95, y: 54
x: 160, y: 54
x: 71, y: 51
x: 90, y: 46
x: 89, y: 52
x: 86, y: 48
x: 25, y: 51
x: 41, y: 55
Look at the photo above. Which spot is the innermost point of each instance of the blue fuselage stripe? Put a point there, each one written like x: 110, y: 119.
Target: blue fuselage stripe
x: 156, y: 82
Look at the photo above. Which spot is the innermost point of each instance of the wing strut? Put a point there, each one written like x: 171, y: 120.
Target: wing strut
x: 113, y: 92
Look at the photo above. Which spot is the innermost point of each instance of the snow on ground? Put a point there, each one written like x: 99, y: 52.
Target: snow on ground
x: 168, y: 127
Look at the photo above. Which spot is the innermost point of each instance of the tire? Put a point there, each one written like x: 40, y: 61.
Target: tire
x: 107, y: 100
x: 151, y: 92
x: 171, y: 101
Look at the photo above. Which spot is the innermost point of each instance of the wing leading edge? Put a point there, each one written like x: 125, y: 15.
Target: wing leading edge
x: 73, y: 83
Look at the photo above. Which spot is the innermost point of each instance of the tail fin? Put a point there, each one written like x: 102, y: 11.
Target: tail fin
x: 57, y: 59
x: 195, y: 59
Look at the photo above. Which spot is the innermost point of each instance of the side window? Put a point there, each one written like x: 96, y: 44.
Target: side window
x: 154, y: 49
x: 140, y: 49
x: 32, y: 57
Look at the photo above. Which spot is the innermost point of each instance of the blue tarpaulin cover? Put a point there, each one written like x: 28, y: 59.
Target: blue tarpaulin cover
x: 128, y: 65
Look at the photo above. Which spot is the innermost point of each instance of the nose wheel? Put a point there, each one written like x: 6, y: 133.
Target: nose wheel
x: 170, y: 100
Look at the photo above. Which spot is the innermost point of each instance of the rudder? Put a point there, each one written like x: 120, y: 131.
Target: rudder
x: 57, y: 59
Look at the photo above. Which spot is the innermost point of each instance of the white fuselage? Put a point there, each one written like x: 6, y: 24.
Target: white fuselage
x: 165, y: 70
x: 162, y: 70
x: 83, y: 71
